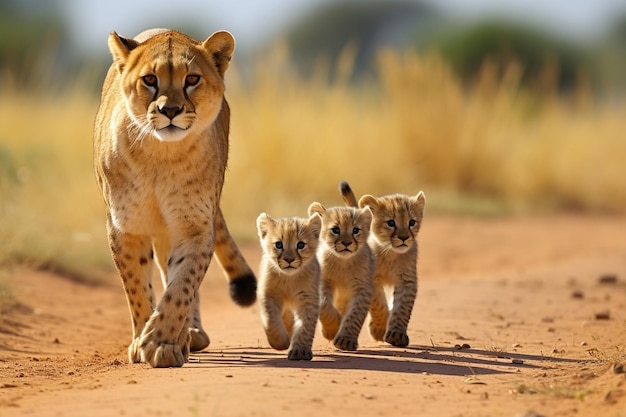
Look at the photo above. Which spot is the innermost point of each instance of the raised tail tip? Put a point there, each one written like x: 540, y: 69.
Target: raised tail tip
x: 243, y: 290
x: 347, y: 194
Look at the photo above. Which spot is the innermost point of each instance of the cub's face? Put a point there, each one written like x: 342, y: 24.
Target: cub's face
x: 172, y: 85
x: 397, y: 219
x: 344, y: 229
x: 289, y: 243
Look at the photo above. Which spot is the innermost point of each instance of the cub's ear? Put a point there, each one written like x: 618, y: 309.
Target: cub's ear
x: 366, y: 215
x: 420, y: 200
x: 120, y: 48
x: 369, y: 201
x: 316, y: 207
x: 220, y: 47
x: 315, y: 224
x: 264, y: 224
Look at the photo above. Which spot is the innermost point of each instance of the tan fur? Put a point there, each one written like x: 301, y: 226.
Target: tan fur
x: 160, y: 152
x: 289, y: 278
x: 396, y: 221
x: 347, y: 266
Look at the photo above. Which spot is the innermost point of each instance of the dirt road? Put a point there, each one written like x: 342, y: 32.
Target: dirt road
x: 512, y: 316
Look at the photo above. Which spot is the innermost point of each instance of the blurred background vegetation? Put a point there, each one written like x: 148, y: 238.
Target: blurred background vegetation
x: 487, y: 116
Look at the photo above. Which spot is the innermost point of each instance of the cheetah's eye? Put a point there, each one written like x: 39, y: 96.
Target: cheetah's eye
x: 300, y: 245
x: 391, y: 223
x: 191, y: 80
x: 335, y: 230
x: 150, y: 80
x: 278, y: 245
x: 355, y: 231
x: 412, y: 223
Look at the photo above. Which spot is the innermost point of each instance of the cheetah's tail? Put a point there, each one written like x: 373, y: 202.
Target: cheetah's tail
x: 238, y: 272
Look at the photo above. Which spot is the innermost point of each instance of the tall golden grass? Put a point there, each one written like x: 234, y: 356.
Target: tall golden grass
x: 491, y: 147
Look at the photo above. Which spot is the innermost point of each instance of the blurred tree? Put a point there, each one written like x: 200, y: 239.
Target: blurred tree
x: 500, y: 43
x: 31, y: 35
x: 366, y: 25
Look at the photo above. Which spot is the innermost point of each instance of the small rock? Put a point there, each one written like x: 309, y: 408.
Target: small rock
x: 603, y: 315
x: 465, y: 346
x: 530, y: 414
x: 516, y: 345
x: 577, y: 294
x: 56, y: 341
x: 618, y: 368
x: 583, y: 343
x: 517, y: 361
x: 607, y: 279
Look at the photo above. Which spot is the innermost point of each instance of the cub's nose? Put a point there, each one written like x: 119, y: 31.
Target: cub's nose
x: 170, y: 111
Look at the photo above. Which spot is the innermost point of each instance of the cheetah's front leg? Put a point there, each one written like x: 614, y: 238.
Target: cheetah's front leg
x: 132, y: 255
x: 165, y: 339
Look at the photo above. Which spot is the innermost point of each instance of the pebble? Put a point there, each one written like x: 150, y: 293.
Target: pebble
x: 578, y: 294
x: 607, y: 279
x: 618, y: 368
x: 603, y: 315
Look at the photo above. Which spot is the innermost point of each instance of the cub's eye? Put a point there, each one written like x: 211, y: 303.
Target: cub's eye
x: 391, y: 223
x: 301, y: 245
x: 192, y: 80
x: 278, y: 245
x: 355, y: 231
x: 150, y: 80
x: 412, y: 223
x: 335, y: 230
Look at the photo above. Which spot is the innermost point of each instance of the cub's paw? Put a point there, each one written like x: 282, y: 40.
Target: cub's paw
x: 199, y: 340
x: 300, y: 354
x: 329, y: 332
x: 377, y: 332
x: 346, y: 343
x: 397, y: 338
x: 280, y: 341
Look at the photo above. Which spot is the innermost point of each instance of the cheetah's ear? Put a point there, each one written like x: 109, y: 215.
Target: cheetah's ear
x: 264, y: 224
x: 120, y: 48
x: 316, y: 207
x: 369, y: 201
x: 315, y: 224
x: 220, y: 47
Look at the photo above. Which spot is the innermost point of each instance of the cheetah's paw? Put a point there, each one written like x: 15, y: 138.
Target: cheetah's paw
x: 199, y: 340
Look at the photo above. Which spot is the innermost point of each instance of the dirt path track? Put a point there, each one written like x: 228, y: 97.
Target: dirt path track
x: 524, y: 294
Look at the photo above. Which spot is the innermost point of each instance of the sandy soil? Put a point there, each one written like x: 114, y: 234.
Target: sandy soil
x: 539, y: 303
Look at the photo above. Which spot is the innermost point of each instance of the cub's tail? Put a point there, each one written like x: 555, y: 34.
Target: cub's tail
x: 347, y: 194
x: 238, y: 273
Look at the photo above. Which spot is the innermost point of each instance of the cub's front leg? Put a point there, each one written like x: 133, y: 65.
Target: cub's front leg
x: 165, y: 338
x: 329, y: 316
x: 273, y: 324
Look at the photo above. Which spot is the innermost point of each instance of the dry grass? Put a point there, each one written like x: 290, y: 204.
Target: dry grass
x: 488, y: 148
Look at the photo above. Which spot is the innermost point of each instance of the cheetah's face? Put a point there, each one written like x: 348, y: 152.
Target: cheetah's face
x: 173, y: 86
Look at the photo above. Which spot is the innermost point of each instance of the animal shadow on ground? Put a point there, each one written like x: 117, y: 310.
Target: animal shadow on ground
x: 411, y: 360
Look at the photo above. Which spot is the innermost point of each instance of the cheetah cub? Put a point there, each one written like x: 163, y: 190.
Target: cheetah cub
x: 288, y: 290
x: 396, y: 221
x: 347, y: 267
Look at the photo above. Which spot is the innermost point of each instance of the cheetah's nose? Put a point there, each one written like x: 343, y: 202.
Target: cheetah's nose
x: 170, y: 111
